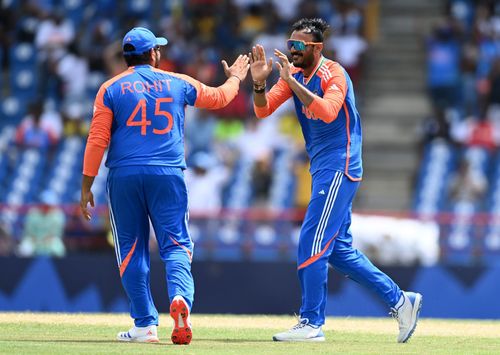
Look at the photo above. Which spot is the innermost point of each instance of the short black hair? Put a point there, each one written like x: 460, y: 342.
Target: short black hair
x: 314, y: 26
x: 135, y: 59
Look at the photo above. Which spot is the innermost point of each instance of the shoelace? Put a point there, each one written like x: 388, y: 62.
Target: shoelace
x: 299, y: 326
x: 394, y: 313
x: 301, y: 323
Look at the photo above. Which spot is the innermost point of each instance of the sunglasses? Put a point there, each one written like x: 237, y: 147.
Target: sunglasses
x: 298, y: 44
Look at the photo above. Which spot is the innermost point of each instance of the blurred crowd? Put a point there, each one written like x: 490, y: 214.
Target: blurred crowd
x: 460, y: 171
x: 463, y: 74
x: 463, y: 81
x: 54, y: 54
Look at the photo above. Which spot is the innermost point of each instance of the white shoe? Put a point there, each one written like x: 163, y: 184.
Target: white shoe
x: 406, y: 312
x: 303, y: 331
x: 179, y: 311
x: 147, y: 334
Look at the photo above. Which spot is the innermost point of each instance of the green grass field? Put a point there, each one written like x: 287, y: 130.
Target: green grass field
x: 52, y: 333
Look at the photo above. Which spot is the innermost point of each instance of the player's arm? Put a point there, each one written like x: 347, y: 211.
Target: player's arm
x: 265, y: 104
x: 325, y: 108
x: 97, y: 142
x: 204, y: 96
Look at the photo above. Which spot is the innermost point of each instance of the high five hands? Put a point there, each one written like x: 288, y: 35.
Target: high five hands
x: 260, y: 69
x: 284, y: 67
x: 239, y: 68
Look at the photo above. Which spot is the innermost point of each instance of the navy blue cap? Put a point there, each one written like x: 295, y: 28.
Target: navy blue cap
x: 142, y: 39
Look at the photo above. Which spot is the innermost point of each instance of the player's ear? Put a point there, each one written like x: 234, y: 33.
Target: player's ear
x: 318, y: 48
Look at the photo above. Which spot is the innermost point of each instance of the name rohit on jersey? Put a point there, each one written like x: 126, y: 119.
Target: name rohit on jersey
x: 139, y: 86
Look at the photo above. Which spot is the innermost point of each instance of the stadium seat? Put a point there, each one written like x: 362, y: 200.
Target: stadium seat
x: 12, y: 110
x: 23, y: 83
x: 438, y: 160
x: 23, y: 56
x: 74, y: 10
x: 240, y: 191
x: 141, y: 9
x: 282, y: 182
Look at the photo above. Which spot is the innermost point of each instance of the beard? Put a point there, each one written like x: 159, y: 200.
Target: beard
x: 302, y: 61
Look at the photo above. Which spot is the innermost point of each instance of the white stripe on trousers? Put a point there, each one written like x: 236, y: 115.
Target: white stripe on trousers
x: 325, y: 214
x: 114, y: 232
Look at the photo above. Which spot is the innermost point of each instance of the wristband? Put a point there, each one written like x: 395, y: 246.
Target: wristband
x: 259, y: 88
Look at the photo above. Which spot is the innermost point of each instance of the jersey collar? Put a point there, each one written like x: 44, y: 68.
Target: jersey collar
x: 320, y: 62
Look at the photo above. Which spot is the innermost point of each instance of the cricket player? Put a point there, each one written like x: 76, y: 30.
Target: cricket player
x: 326, y: 109
x: 139, y: 114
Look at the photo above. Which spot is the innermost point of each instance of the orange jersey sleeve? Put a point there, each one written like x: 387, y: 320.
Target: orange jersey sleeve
x: 99, y: 135
x: 100, y: 129
x: 279, y: 93
x: 334, y: 85
x: 209, y: 97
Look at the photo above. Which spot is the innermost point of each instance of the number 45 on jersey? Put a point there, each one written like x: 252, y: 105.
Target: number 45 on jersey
x: 144, y: 122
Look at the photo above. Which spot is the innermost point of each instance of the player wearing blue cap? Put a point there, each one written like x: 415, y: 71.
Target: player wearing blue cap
x: 140, y: 115
x: 324, y: 101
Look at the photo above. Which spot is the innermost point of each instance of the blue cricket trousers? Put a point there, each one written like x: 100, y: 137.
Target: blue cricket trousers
x: 325, y: 238
x: 137, y: 194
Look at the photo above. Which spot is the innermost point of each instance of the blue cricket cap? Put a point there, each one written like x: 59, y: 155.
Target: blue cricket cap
x: 142, y: 39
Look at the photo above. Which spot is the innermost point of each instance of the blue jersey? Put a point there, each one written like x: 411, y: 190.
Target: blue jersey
x: 148, y: 124
x: 140, y: 114
x: 331, y: 124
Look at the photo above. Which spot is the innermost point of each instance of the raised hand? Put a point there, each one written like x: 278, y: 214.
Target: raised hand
x: 239, y: 68
x: 284, y: 67
x: 259, y: 68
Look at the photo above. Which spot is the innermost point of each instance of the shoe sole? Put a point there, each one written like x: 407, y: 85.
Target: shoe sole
x: 182, y: 333
x: 139, y: 340
x: 414, y: 316
x: 315, y: 339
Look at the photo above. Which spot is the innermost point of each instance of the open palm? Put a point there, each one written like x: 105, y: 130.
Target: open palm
x: 259, y: 67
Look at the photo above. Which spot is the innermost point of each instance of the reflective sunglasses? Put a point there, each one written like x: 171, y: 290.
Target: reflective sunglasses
x: 298, y: 44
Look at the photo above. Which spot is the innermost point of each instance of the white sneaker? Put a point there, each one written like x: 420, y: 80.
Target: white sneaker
x: 303, y: 331
x: 179, y: 311
x: 147, y: 334
x: 406, y: 312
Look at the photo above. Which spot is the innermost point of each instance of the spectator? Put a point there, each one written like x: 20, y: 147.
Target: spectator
x: 44, y: 228
x: 348, y: 49
x: 468, y: 184
x: 443, y: 67
x: 262, y: 179
x: 53, y: 36
x: 253, y: 22
x: 205, y: 183
x: 73, y: 119
x: 39, y: 129
x: 6, y: 242
x: 199, y: 130
x: 437, y: 126
x: 72, y: 70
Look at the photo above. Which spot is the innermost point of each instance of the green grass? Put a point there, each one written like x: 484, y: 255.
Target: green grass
x: 38, y: 333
